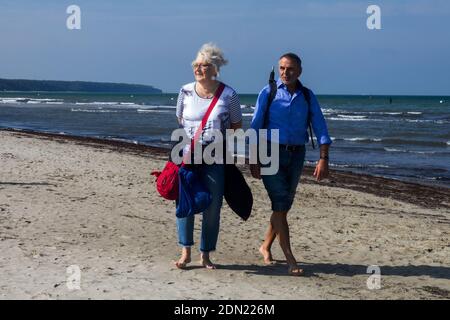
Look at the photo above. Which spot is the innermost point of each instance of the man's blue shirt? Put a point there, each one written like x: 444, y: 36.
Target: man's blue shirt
x: 289, y: 114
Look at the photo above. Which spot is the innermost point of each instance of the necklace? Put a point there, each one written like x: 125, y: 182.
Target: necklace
x: 205, y: 95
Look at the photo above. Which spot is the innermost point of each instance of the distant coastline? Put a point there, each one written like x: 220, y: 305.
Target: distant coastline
x: 74, y: 86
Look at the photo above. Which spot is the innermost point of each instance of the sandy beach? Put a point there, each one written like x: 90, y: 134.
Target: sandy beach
x: 78, y: 202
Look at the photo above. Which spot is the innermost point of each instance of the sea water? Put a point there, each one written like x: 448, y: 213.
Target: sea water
x: 401, y: 137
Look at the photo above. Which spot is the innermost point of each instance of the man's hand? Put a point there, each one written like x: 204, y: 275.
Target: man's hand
x: 255, y: 170
x: 321, y: 171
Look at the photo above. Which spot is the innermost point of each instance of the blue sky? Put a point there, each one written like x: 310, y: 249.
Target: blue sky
x: 153, y: 42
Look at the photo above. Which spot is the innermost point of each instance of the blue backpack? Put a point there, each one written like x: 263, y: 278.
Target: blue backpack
x: 193, y: 197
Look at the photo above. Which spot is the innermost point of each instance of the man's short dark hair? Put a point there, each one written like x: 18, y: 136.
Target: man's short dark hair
x: 292, y: 56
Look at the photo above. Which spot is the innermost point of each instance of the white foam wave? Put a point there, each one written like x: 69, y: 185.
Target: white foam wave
x: 356, y: 139
x: 354, y: 119
x: 93, y: 110
x: 361, y: 139
x: 124, y: 140
x: 46, y: 100
x: 158, y: 107
x: 28, y: 100
x: 428, y: 121
x: 394, y: 150
x: 423, y: 152
x: 387, y: 120
x: 356, y: 165
x: 9, y: 101
x: 153, y: 111
x: 331, y: 110
x: 351, y: 116
x: 247, y: 114
x: 413, y: 112
x: 408, y: 151
x: 95, y: 103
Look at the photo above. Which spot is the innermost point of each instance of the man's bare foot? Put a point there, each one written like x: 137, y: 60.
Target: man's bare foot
x: 295, y: 271
x: 206, y: 262
x: 267, y: 255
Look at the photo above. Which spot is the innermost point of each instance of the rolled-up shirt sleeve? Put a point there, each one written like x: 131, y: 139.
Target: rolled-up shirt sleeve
x: 318, y: 121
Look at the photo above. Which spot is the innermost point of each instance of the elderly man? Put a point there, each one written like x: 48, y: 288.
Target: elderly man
x: 292, y: 108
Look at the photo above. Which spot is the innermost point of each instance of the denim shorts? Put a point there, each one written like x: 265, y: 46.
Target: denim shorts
x: 282, y: 186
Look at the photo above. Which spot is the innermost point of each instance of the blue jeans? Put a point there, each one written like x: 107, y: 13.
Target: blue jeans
x: 213, y: 178
x: 282, y: 186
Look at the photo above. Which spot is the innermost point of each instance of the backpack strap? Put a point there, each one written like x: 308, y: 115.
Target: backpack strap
x: 273, y: 93
x: 307, y: 95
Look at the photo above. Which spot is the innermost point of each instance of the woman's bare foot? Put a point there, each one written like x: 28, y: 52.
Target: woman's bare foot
x: 267, y: 255
x: 295, y: 271
x: 206, y: 262
x: 185, y: 258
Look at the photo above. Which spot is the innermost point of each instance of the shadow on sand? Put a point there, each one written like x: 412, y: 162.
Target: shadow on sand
x: 348, y: 270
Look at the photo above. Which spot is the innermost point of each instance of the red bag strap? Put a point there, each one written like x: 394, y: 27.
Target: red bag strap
x: 217, y: 95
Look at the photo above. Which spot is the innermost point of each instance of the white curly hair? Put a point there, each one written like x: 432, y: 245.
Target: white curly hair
x: 211, y: 53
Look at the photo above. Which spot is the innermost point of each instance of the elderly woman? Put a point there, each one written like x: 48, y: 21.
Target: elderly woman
x: 193, y: 101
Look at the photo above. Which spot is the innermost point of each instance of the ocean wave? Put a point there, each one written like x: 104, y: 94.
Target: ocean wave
x: 45, y: 100
x: 150, y: 107
x: 95, y: 103
x: 247, y: 114
x: 387, y: 120
x: 408, y: 151
x: 361, y: 166
x: 351, y: 116
x: 429, y: 121
x: 153, y: 111
x: 357, y: 119
x: 27, y: 100
x: 362, y: 139
x: 367, y: 113
x: 354, y: 165
x: 122, y: 140
x: 331, y: 110
x: 398, y: 141
x: 93, y: 110
x: 9, y: 101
